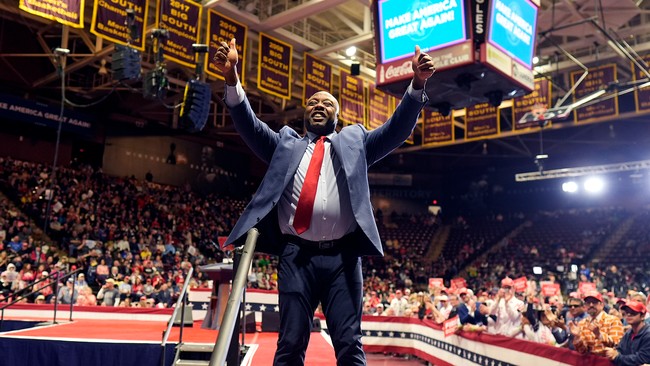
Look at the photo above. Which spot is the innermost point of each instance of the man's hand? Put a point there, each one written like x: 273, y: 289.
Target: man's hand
x: 226, y: 60
x: 423, y: 68
x: 574, y: 329
x: 593, y: 327
x: 611, y: 353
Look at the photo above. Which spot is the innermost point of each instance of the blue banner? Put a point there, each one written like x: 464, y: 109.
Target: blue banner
x: 43, y: 115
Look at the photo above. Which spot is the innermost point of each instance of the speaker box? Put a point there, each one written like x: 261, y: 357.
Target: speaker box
x: 249, y: 323
x: 196, y: 105
x: 270, y: 321
x: 355, y: 69
x: 188, y: 320
x: 125, y: 63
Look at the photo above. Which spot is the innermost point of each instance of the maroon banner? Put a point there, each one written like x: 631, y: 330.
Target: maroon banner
x: 436, y: 128
x: 274, y: 67
x: 380, y: 107
x: 481, y: 121
x: 223, y: 29
x: 597, y: 79
x: 109, y: 22
x: 641, y: 96
x: 352, y: 99
x: 317, y: 76
x: 68, y: 12
x: 182, y: 19
x: 539, y: 98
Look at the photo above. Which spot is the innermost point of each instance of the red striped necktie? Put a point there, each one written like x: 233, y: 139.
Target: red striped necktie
x: 305, y: 207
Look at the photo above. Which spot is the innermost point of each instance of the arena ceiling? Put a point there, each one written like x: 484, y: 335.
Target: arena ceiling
x: 584, y: 29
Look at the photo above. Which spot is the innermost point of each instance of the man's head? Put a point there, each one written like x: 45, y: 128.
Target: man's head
x: 321, y: 113
x: 576, y: 307
x: 594, y: 303
x: 634, y: 312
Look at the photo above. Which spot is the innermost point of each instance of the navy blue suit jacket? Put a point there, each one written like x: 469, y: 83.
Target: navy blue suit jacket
x: 356, y: 147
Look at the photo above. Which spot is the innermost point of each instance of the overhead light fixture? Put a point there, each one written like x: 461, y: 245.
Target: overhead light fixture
x: 535, y: 60
x: 351, y: 51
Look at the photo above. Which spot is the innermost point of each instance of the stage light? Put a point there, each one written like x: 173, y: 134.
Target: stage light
x: 570, y: 187
x: 594, y: 185
x: 155, y: 84
x: 351, y: 51
x: 196, y: 106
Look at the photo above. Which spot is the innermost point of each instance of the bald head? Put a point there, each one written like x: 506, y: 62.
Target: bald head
x: 321, y: 113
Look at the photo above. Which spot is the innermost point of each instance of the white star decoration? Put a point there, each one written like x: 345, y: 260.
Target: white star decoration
x: 248, y: 307
x: 391, y: 334
x: 403, y: 335
x: 368, y: 333
x: 204, y: 306
x: 380, y: 333
x: 262, y: 307
x: 276, y: 309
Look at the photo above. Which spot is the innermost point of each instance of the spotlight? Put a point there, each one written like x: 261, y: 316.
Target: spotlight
x: 570, y: 187
x: 594, y: 185
x: 351, y: 51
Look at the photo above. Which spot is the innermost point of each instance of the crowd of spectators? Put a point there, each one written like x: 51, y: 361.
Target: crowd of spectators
x: 134, y: 242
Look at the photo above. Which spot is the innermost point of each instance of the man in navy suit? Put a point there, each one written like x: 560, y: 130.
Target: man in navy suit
x: 319, y: 261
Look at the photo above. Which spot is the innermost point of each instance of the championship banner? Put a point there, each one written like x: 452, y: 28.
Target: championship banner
x: 597, y: 79
x: 539, y: 98
x: 436, y: 128
x: 481, y: 120
x: 317, y: 76
x: 110, y: 22
x: 274, y: 67
x: 68, y: 12
x: 223, y: 29
x: 352, y: 99
x: 641, y: 96
x: 380, y: 106
x: 182, y: 18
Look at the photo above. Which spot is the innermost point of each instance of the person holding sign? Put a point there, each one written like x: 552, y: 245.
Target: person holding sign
x: 313, y: 206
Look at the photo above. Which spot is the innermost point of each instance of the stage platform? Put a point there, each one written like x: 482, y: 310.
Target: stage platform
x: 135, y: 342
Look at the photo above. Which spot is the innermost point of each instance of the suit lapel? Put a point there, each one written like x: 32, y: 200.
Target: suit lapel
x: 297, y: 151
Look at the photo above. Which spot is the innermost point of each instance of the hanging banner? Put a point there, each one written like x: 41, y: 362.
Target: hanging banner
x: 223, y: 29
x: 317, y: 76
x: 274, y: 67
x: 641, y: 96
x: 68, y: 12
x: 352, y: 99
x: 110, y: 22
x: 539, y: 98
x: 436, y: 128
x: 380, y: 107
x: 181, y: 18
x: 597, y: 79
x: 481, y: 120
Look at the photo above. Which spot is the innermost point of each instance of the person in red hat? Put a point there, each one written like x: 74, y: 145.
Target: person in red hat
x: 634, y: 348
x: 599, y: 331
x: 508, y: 309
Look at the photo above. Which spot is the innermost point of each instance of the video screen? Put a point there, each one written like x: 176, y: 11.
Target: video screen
x: 512, y: 28
x: 431, y: 24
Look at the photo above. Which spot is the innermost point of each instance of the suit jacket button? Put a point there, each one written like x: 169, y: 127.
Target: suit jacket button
x: 258, y: 219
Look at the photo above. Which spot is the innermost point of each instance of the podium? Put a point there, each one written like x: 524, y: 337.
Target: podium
x: 221, y: 274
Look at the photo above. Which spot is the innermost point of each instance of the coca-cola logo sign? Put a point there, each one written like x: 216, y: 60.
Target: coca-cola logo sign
x: 394, y: 71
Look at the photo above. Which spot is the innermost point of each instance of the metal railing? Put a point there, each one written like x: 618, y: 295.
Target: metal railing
x: 180, y: 304
x: 59, y: 277
x: 231, y: 314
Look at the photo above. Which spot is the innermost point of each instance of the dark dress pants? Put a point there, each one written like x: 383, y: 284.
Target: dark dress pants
x: 332, y: 277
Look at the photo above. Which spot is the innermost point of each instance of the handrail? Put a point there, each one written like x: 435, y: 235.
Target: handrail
x: 19, y: 298
x: 227, y: 327
x: 180, y: 302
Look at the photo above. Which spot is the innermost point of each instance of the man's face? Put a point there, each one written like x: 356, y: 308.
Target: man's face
x: 576, y: 308
x: 594, y: 307
x: 633, y: 318
x: 321, y: 113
